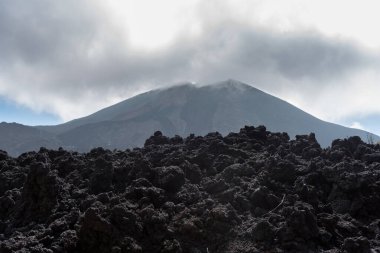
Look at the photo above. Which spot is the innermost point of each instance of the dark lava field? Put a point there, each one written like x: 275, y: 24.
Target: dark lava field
x: 252, y: 191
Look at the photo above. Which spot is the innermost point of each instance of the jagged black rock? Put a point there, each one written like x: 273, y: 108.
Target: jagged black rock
x: 252, y: 191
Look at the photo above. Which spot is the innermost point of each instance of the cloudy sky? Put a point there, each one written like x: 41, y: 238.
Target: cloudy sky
x: 60, y: 60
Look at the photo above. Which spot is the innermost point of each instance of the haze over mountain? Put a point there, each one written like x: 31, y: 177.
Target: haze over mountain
x: 183, y: 109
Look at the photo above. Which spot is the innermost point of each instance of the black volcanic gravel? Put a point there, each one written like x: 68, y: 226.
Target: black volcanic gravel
x: 252, y: 191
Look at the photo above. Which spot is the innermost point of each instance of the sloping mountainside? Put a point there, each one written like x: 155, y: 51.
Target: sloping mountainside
x: 252, y: 191
x: 16, y: 138
x: 186, y: 109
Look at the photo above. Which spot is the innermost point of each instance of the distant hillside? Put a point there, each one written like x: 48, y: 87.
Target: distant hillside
x: 16, y: 138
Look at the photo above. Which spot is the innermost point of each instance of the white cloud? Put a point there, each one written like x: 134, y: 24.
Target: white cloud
x: 357, y: 125
x: 150, y: 25
x: 356, y: 20
x: 355, y: 94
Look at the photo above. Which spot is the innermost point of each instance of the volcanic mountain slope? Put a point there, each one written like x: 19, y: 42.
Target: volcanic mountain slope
x: 186, y: 109
x: 252, y: 191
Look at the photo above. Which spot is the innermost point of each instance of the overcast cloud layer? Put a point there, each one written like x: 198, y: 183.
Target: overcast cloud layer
x: 71, y: 58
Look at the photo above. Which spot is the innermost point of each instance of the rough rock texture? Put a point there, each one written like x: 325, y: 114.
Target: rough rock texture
x: 252, y: 191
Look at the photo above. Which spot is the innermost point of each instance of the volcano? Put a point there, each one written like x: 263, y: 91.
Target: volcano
x: 184, y: 109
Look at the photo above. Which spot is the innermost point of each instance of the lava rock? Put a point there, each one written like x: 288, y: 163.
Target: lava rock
x: 170, y: 178
x: 252, y: 191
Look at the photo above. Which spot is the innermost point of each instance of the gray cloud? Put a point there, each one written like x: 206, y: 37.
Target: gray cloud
x: 59, y: 53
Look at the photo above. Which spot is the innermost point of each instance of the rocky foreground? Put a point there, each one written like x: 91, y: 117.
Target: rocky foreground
x: 252, y: 191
